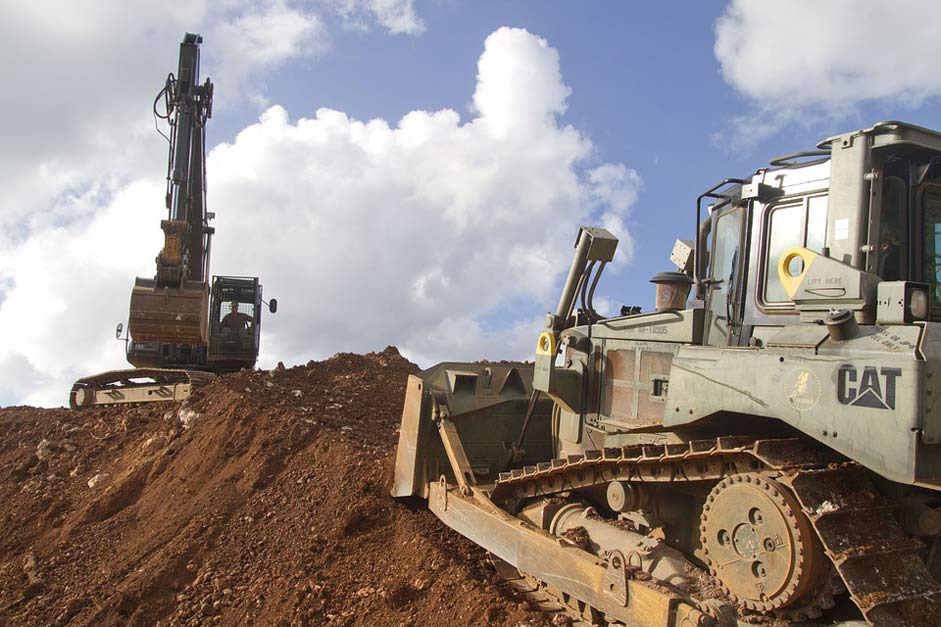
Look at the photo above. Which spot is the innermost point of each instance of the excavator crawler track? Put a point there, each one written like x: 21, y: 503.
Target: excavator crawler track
x: 136, y: 385
x: 879, y: 563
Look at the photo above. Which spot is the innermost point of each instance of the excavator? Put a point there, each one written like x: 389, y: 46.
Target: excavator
x: 763, y: 446
x: 182, y: 330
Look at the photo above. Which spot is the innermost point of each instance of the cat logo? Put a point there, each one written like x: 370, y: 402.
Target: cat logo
x: 875, y: 388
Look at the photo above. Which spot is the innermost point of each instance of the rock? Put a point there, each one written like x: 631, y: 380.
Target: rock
x: 43, y: 450
x: 153, y: 443
x: 97, y: 479
x: 31, y: 568
x: 187, y: 417
x: 297, y: 393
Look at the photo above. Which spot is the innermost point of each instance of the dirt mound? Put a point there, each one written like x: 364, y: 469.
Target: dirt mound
x: 262, y: 499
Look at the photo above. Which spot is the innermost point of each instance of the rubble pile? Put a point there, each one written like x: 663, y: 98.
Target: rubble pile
x: 262, y: 499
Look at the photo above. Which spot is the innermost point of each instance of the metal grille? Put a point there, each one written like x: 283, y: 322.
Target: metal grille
x: 234, y: 318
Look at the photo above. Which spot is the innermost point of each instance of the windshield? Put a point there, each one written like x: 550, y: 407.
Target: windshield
x: 932, y: 242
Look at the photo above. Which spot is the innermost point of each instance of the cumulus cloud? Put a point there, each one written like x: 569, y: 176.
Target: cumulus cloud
x: 68, y: 287
x: 81, y: 77
x: 424, y: 233
x: 805, y: 61
x: 264, y: 36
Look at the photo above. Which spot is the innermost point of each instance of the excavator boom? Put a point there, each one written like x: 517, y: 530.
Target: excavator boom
x: 173, y: 307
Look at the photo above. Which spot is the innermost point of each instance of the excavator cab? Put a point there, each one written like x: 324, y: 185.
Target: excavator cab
x: 235, y: 320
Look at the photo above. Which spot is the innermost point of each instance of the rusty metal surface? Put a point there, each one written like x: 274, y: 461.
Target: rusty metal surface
x: 540, y: 596
x: 578, y: 576
x: 759, y: 544
x: 877, y: 561
x: 169, y: 316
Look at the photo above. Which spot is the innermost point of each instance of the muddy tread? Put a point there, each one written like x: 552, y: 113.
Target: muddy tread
x: 878, y: 562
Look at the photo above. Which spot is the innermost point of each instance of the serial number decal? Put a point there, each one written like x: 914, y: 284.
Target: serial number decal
x: 874, y: 387
x: 658, y: 330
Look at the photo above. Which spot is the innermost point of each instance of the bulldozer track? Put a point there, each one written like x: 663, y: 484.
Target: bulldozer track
x: 878, y: 562
x: 117, y: 382
x: 537, y: 595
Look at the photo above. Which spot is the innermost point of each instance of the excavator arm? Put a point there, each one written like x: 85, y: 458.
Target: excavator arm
x: 172, y: 307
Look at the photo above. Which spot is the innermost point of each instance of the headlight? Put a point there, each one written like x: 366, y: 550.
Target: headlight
x: 902, y: 302
x: 918, y: 304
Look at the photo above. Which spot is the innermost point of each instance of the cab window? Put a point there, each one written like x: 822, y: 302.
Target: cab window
x: 724, y: 275
x: 932, y: 242
x: 893, y: 252
x: 801, y: 223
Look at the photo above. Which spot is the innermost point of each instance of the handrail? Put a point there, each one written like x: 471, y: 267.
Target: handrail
x: 697, y: 253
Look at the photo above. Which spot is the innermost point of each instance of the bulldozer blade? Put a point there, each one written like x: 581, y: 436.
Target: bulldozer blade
x: 169, y: 315
x: 482, y: 406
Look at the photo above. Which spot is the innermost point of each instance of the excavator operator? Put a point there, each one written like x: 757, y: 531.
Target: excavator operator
x: 236, y: 321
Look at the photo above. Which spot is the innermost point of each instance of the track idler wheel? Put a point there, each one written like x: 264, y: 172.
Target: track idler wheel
x: 81, y: 397
x: 760, y: 546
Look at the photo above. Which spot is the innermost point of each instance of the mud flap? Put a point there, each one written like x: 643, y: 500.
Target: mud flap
x: 167, y: 315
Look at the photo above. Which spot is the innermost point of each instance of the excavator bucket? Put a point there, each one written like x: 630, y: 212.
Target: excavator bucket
x: 169, y: 315
x: 468, y: 416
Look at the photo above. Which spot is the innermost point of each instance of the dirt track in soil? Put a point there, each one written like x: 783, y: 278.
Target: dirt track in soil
x: 262, y: 499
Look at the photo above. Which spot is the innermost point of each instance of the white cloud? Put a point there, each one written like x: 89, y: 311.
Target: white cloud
x: 80, y: 78
x: 69, y: 286
x: 422, y: 234
x: 263, y: 37
x: 396, y: 16
x: 806, y: 61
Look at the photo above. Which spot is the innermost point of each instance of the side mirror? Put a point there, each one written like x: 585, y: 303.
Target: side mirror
x: 118, y: 331
x: 273, y: 305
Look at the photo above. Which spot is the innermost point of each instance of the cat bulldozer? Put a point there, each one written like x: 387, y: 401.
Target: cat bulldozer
x: 765, y: 445
x: 181, y: 332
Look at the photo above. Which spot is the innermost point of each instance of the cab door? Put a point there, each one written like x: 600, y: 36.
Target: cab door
x: 724, y: 283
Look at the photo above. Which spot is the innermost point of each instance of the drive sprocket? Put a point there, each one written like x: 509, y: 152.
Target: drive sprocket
x: 759, y: 544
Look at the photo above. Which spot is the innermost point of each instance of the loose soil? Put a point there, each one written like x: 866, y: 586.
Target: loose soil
x: 262, y: 499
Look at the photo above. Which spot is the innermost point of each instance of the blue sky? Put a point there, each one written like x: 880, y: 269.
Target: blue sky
x: 407, y: 172
x: 646, y: 87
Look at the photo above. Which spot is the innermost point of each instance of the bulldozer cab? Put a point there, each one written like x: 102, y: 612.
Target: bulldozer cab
x: 234, y: 319
x: 870, y: 200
